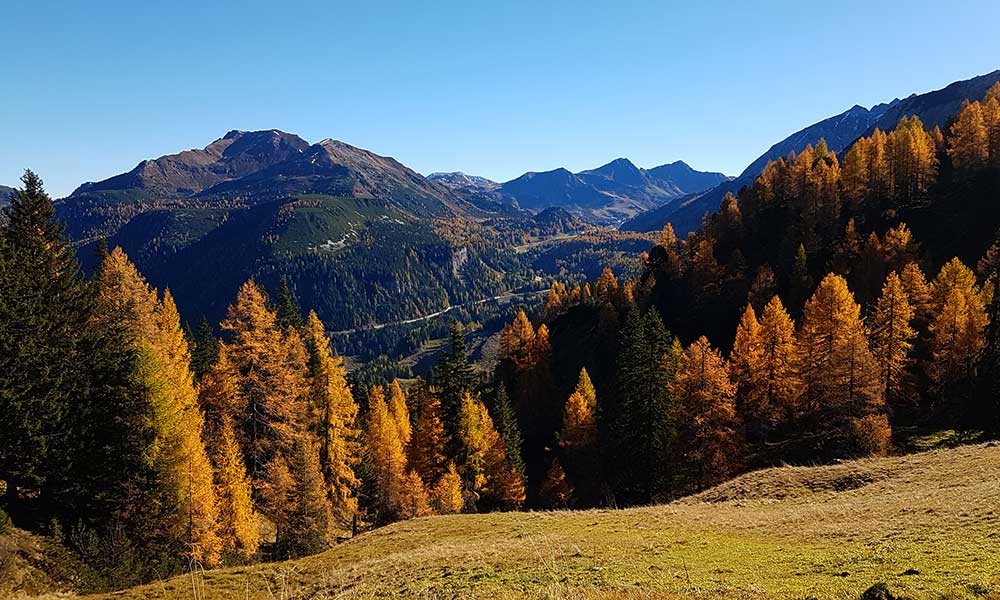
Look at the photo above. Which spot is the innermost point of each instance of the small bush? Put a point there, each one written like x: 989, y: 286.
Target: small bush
x: 880, y: 591
x: 5, y: 523
x: 872, y: 435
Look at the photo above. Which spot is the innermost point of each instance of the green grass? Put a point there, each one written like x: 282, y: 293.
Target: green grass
x: 796, y: 532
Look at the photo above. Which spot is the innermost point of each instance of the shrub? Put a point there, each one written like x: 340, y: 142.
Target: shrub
x: 872, y: 435
x: 5, y: 523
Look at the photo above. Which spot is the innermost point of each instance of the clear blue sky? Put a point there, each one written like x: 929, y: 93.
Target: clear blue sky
x: 489, y: 88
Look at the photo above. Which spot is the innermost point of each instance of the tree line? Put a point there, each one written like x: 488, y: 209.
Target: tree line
x: 146, y: 448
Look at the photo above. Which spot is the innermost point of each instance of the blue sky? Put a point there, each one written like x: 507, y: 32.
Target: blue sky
x: 489, y: 88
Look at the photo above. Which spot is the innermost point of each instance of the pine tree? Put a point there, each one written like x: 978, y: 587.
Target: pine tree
x: 271, y: 380
x: 335, y: 423
x: 447, y: 494
x: 205, y: 349
x: 67, y: 385
x: 892, y: 335
x: 707, y: 397
x: 454, y: 378
x: 801, y: 281
x: 762, y: 289
x: 642, y: 423
x: 287, y: 312
x: 510, y: 431
x: 237, y: 519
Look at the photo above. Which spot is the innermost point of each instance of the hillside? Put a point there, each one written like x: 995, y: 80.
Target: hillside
x: 922, y: 523
x: 934, y: 109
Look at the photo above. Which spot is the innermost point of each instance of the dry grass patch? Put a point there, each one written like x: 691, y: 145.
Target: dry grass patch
x: 927, y: 525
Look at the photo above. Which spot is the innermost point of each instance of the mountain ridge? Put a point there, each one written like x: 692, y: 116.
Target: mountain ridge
x: 840, y: 131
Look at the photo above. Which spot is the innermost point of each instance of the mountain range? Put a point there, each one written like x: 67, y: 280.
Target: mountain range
x: 840, y: 131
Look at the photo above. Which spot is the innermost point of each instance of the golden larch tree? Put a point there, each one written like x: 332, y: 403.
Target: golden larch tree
x: 969, y: 139
x: 184, y: 509
x: 556, y: 490
x: 839, y: 374
x: 781, y: 382
x: 892, y: 335
x: 447, y: 493
x: 335, y: 423
x: 238, y: 527
x: 426, y: 450
x: 387, y: 454
x: 400, y: 411
x: 271, y: 380
x: 748, y: 372
x: 709, y: 425
x: 414, y: 499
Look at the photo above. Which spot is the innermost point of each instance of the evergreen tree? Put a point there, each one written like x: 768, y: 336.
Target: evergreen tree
x: 642, y: 423
x: 509, y: 430
x: 288, y: 314
x: 66, y: 380
x: 308, y: 519
x: 454, y: 378
x: 204, y: 350
x: 801, y: 281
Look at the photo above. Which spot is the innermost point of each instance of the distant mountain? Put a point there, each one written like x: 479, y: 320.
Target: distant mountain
x: 839, y: 131
x: 235, y: 155
x: 460, y: 181
x: 247, y: 168
x: 5, y: 193
x: 686, y: 179
x: 609, y: 193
